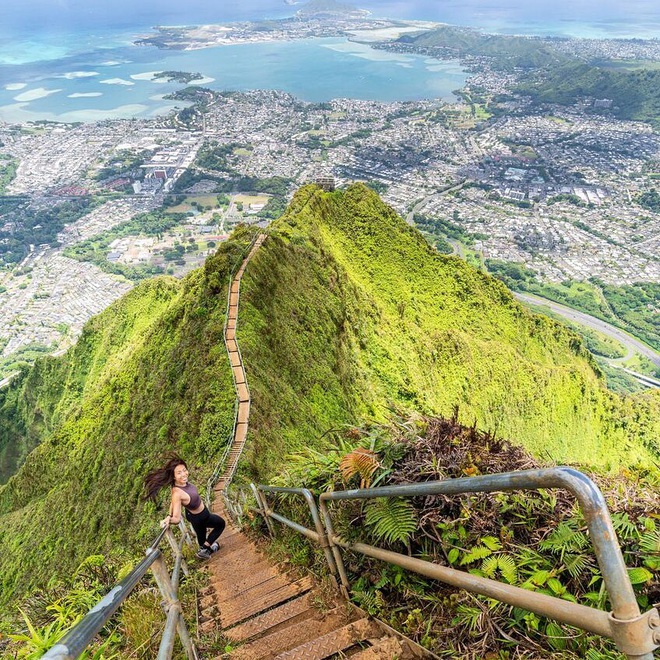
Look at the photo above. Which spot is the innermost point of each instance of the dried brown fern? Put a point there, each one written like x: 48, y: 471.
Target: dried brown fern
x: 362, y: 462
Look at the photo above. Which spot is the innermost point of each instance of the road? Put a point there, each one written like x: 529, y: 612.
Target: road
x: 420, y: 205
x: 596, y: 324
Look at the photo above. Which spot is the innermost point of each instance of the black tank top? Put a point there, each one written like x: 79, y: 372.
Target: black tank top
x: 195, y: 499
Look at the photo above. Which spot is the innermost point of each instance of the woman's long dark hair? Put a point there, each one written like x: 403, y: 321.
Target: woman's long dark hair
x: 161, y: 477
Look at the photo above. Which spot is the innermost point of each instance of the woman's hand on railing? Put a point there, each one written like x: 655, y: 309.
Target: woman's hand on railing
x: 165, y: 522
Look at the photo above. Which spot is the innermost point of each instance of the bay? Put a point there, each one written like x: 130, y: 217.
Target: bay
x: 117, y: 82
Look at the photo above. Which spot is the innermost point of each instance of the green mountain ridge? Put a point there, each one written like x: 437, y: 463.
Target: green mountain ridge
x: 346, y: 315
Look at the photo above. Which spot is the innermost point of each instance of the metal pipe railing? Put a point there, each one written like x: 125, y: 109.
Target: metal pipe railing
x: 319, y: 535
x: 636, y: 635
x: 82, y: 634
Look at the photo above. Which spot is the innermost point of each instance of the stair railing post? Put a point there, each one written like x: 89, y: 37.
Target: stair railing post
x: 171, y: 601
x: 185, y: 531
x: 336, y: 553
x: 323, y: 537
x: 262, y: 505
x: 176, y: 550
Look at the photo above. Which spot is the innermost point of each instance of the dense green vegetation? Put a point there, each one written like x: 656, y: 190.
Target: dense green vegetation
x: 631, y: 307
x: 650, y: 200
x: 8, y: 167
x: 635, y: 94
x: 440, y: 232
x: 637, y: 305
x: 534, y: 540
x: 508, y: 52
x: 213, y: 156
x: 125, y: 163
x: 148, y: 375
x: 347, y: 316
x: 404, y: 327
x: 178, y: 76
x: 20, y: 359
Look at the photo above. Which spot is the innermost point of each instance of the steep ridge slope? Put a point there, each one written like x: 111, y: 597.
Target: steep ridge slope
x: 347, y: 313
x: 149, y: 375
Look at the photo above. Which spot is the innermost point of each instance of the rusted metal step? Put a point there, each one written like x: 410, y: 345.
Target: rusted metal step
x: 239, y: 375
x: 261, y: 580
x: 290, y: 637
x: 246, y: 606
x: 268, y: 621
x: 332, y: 642
x: 243, y: 392
x: 253, y: 595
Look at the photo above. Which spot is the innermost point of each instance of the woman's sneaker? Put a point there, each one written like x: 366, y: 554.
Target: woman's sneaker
x: 204, y: 553
x: 215, y: 547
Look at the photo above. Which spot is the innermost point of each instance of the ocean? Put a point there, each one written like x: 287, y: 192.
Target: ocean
x: 116, y: 81
x: 75, y: 60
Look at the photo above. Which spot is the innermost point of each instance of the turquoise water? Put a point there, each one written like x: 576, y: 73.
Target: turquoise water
x: 69, y: 84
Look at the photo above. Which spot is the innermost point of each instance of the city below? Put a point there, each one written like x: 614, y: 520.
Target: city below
x: 565, y: 191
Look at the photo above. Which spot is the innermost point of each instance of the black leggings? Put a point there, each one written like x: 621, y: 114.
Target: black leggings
x: 202, y: 521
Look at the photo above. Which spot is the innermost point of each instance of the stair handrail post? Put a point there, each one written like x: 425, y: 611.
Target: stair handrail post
x: 322, y: 537
x: 177, y: 549
x: 336, y: 553
x: 262, y: 503
x: 171, y: 602
x: 183, y: 527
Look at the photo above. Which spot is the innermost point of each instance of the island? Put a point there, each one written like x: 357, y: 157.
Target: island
x: 177, y: 76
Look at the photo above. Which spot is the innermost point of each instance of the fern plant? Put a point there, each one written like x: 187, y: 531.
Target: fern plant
x: 391, y: 519
x: 362, y: 462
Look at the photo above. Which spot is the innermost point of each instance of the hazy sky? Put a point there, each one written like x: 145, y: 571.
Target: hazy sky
x: 41, y: 13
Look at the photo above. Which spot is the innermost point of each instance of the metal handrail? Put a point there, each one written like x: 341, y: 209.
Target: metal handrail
x: 636, y: 635
x: 82, y: 634
x: 319, y: 535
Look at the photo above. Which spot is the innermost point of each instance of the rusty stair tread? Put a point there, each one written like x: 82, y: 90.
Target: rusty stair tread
x: 269, y: 620
x: 254, y: 594
x: 230, y: 593
x: 248, y: 607
x: 290, y: 637
x: 332, y: 642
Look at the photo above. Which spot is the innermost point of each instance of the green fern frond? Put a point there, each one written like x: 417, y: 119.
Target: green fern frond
x: 391, y: 519
x: 478, y: 552
x: 624, y: 527
x: 566, y: 538
x: 508, y: 568
x: 492, y: 543
x: 367, y: 601
x: 650, y: 542
x: 576, y: 564
x: 489, y: 566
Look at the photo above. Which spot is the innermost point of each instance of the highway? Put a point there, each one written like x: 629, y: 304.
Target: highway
x: 631, y: 343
